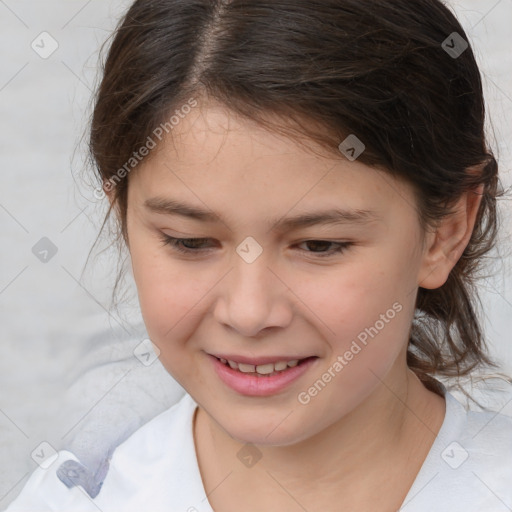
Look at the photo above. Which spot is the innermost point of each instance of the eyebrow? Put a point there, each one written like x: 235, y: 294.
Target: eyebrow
x: 323, y: 217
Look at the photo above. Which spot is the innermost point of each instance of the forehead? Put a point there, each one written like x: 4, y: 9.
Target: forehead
x: 214, y: 159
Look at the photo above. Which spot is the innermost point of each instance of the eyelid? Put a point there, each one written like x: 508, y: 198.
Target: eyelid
x: 175, y: 242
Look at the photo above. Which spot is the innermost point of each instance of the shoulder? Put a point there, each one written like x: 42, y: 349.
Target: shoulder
x: 169, y: 430
x: 45, y: 491
x: 67, y: 485
x: 469, y: 467
x: 483, y: 433
x: 482, y: 440
x: 156, y: 468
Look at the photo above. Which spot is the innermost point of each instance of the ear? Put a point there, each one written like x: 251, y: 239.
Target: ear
x: 446, y: 243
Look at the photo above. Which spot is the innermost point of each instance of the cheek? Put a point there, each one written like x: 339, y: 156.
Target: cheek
x: 170, y: 301
x: 167, y: 294
x: 348, y: 301
x: 364, y: 317
x: 364, y: 312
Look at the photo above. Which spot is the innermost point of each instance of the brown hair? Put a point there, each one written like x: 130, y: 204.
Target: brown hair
x: 378, y: 69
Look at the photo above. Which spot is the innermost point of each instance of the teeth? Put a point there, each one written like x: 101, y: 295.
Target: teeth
x: 265, y: 369
x: 244, y: 368
x: 262, y: 369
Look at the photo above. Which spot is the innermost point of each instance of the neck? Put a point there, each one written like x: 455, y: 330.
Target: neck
x: 395, y: 423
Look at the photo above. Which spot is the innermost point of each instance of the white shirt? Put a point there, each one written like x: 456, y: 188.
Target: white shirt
x: 468, y: 469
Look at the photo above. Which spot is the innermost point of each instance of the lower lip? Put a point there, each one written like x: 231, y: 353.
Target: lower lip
x: 252, y: 385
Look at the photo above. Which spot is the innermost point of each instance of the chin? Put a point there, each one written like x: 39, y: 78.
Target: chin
x: 263, y: 434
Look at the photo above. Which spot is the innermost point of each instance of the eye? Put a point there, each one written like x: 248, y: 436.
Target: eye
x: 340, y: 247
x: 197, y: 245
x: 183, y: 244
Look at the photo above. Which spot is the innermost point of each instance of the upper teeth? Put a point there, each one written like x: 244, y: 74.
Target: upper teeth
x: 263, y: 369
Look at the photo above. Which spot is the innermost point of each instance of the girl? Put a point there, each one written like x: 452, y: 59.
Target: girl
x: 306, y: 193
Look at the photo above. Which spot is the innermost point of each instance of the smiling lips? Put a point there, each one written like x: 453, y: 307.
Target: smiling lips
x: 262, y: 376
x: 261, y: 369
x: 261, y: 366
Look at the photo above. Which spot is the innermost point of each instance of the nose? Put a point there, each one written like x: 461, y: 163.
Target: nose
x: 253, y: 298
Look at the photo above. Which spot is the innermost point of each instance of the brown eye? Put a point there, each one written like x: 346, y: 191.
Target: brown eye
x: 340, y: 247
x: 184, y: 245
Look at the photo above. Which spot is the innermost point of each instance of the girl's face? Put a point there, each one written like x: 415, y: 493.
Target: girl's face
x: 301, y: 257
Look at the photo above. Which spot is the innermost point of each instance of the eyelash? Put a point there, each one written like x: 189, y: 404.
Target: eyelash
x: 175, y: 243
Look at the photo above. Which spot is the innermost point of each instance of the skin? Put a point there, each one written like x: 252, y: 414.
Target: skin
x: 374, y: 423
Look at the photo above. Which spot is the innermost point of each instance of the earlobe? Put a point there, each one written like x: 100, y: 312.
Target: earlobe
x: 448, y: 241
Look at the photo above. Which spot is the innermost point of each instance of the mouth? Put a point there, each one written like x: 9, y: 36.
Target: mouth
x: 264, y: 370
x: 260, y: 377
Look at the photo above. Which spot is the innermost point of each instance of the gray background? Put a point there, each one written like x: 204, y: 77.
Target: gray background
x: 68, y: 374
